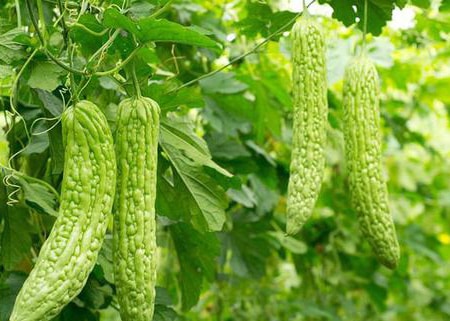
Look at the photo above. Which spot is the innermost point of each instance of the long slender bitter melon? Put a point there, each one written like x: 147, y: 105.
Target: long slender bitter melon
x: 70, y: 252
x: 368, y: 190
x: 309, y: 122
x: 134, y: 233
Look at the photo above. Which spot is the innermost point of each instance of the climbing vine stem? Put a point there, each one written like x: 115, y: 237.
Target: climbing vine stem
x: 245, y: 54
x: 363, y: 51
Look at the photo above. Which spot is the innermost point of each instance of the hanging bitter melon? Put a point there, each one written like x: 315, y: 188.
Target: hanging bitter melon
x: 310, y: 110
x: 70, y: 252
x: 134, y: 235
x: 368, y: 190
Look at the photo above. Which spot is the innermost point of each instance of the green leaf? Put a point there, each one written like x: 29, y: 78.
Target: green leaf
x: 36, y: 194
x: 437, y: 87
x: 289, y: 242
x: 250, y: 247
x: 222, y: 83
x: 422, y: 244
x: 45, y: 75
x: 445, y: 6
x: 105, y: 260
x: 378, y: 295
x: 6, y: 79
x: 96, y: 295
x: 6, y: 72
x: 262, y: 20
x: 88, y: 42
x: 4, y: 208
x: 267, y: 115
x: 167, y: 199
x: 224, y: 147
x: 74, y: 312
x: 255, y: 22
x: 50, y: 102
x: 266, y: 195
x: 178, y: 133
x: 53, y: 107
x: 16, y: 237
x: 11, y: 50
x: 189, y: 97
x: 316, y: 311
x: 380, y: 11
x: 157, y: 30
x: 141, y: 9
x: 8, y: 292
x: 5, y: 25
x: 38, y: 197
x: 342, y: 11
x: 163, y: 296
x: 197, y: 254
x: 228, y: 114
x: 244, y: 196
x: 280, y: 19
x: 422, y: 3
x: 39, y: 141
x: 164, y: 313
x: 203, y: 199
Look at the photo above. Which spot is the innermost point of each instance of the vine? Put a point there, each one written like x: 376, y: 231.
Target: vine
x: 162, y: 9
x: 364, y: 40
x: 245, y: 54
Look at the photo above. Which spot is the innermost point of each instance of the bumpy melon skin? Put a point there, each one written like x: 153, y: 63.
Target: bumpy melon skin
x: 310, y: 111
x: 368, y: 190
x: 70, y: 252
x: 134, y: 233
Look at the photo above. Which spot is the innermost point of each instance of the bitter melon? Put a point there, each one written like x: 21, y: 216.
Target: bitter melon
x: 134, y: 232
x: 368, y: 190
x: 310, y: 110
x: 70, y: 252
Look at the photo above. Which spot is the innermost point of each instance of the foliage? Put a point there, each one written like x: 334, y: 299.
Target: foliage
x: 224, y: 154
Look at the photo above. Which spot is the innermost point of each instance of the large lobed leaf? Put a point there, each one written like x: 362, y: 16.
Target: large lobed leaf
x: 203, y: 199
x: 379, y: 12
x: 157, y: 30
